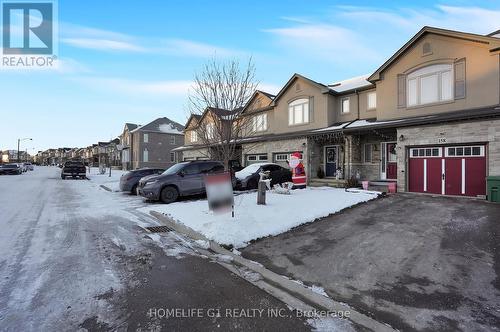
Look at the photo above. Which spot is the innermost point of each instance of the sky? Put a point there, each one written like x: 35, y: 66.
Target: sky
x: 134, y: 61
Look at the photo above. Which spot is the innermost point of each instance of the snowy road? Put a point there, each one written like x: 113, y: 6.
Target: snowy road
x: 74, y: 256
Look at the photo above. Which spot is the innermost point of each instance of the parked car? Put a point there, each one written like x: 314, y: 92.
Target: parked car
x: 10, y: 169
x: 29, y: 166
x: 182, y: 179
x: 74, y: 169
x: 23, y: 167
x: 248, y: 177
x: 130, y: 180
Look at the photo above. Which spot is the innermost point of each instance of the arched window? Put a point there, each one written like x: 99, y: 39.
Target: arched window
x: 298, y: 111
x: 431, y: 84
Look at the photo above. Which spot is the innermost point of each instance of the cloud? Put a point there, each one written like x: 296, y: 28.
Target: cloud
x: 136, y: 87
x: 325, y: 41
x: 110, y: 41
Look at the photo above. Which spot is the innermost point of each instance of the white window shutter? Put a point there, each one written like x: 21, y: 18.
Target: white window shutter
x: 401, y: 91
x: 460, y: 78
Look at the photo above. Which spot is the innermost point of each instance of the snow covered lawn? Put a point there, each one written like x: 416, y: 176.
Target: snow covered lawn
x: 253, y: 221
x: 112, y: 182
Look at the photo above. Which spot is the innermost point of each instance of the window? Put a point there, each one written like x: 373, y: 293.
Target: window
x: 194, y: 135
x: 172, y: 157
x: 298, y: 112
x: 145, y: 155
x: 368, y: 153
x: 345, y: 105
x: 172, y: 140
x: 210, y: 131
x: 465, y: 151
x: 430, y: 84
x: 425, y: 152
x: 372, y: 100
x: 282, y: 157
x: 257, y: 157
x: 259, y: 122
x: 146, y: 138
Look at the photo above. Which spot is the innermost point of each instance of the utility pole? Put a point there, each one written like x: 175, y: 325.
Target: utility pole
x: 18, y: 159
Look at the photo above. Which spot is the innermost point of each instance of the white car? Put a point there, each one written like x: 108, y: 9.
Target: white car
x: 29, y: 166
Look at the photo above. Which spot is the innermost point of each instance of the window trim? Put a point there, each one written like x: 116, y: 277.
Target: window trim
x: 145, y: 138
x: 425, y: 71
x: 481, y: 151
x: 371, y: 161
x: 342, y: 111
x: 368, y: 108
x: 263, y: 124
x: 291, y: 111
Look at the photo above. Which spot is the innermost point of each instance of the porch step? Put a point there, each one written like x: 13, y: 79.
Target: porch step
x: 327, y: 182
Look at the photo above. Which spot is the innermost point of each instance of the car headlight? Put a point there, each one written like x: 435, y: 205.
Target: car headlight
x: 150, y: 182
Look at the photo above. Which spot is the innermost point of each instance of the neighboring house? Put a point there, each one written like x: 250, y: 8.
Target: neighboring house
x: 126, y: 145
x: 151, y: 145
x: 428, y: 119
x: 201, y: 134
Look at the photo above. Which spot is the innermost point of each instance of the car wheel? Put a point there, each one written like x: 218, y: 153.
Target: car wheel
x: 169, y: 195
x: 133, y: 191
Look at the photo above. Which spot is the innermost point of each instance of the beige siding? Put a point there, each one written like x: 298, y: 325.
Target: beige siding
x: 482, y: 76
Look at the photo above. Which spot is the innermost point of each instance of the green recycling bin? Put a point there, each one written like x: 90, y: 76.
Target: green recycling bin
x: 493, y: 185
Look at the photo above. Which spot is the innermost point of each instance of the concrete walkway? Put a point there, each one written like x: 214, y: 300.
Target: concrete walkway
x: 415, y: 262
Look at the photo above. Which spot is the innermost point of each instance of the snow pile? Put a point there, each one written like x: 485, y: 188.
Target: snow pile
x: 249, y: 170
x: 168, y: 128
x: 351, y: 83
x: 112, y: 182
x: 253, y: 221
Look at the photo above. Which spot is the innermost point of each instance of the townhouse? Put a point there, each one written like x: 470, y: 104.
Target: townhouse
x: 428, y: 119
x: 151, y: 145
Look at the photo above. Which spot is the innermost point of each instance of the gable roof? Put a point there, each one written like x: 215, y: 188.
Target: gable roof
x: 322, y: 87
x: 495, y: 42
x: 131, y: 126
x: 192, y: 117
x: 162, y: 125
x: 495, y: 34
x: 254, y: 95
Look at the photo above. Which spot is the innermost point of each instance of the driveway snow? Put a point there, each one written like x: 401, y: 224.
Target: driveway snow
x: 253, y: 221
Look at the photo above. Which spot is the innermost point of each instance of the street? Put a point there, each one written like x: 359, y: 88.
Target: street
x: 74, y: 256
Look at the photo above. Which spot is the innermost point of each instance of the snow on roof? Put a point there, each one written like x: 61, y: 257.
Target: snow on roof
x: 335, y: 127
x: 350, y: 84
x: 168, y: 128
x: 365, y: 123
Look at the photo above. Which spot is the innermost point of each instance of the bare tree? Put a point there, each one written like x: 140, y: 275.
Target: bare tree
x: 220, y: 91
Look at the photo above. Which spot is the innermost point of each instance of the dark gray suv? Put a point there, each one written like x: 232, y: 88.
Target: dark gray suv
x: 183, y: 179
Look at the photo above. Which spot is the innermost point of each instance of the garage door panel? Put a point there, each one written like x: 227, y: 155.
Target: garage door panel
x: 475, y: 176
x: 434, y: 180
x: 416, y: 183
x: 453, y: 176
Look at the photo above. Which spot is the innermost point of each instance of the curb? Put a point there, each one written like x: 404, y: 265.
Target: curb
x: 105, y: 188
x: 289, y: 286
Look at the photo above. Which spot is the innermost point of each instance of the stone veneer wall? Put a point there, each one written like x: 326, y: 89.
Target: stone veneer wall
x: 484, y: 131
x: 198, y: 153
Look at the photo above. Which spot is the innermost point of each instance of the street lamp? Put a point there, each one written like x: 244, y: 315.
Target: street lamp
x: 18, y: 142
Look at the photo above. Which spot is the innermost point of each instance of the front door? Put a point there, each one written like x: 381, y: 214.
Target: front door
x: 330, y: 160
x: 392, y: 161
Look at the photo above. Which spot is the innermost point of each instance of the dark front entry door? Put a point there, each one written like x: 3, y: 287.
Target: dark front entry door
x: 331, y: 161
x: 392, y: 164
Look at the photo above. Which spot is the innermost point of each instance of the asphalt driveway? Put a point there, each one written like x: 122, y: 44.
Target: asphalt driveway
x: 415, y: 262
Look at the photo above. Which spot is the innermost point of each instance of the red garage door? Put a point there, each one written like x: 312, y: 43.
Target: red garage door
x: 451, y: 170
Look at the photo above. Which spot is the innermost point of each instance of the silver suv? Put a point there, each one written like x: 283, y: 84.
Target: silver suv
x: 183, y: 179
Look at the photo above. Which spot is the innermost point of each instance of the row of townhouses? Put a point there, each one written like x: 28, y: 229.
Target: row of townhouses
x: 428, y: 118
x: 138, y: 146
x: 10, y: 156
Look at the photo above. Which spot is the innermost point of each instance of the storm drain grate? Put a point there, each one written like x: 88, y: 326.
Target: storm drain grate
x: 158, y: 229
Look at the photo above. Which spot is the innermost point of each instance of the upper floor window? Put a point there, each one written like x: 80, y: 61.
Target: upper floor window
x: 145, y: 155
x: 372, y: 100
x: 210, y: 131
x: 146, y: 138
x: 193, y: 135
x: 345, y: 105
x: 430, y: 84
x: 172, y: 139
x: 298, y: 111
x: 259, y: 122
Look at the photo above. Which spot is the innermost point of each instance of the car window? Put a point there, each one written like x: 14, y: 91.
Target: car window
x: 174, y: 169
x: 216, y: 168
x: 191, y: 169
